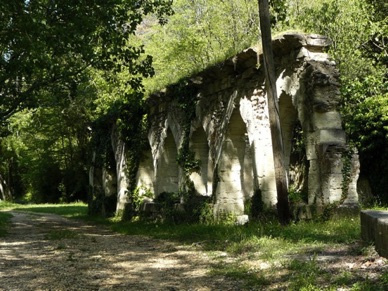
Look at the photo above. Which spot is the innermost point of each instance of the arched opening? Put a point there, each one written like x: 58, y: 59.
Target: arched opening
x: 288, y: 117
x: 234, y: 168
x: 295, y: 160
x: 167, y: 176
x: 145, y: 173
x: 200, y: 147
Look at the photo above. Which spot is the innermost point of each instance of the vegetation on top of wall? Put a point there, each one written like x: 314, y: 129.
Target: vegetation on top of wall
x: 185, y: 95
x: 199, y: 34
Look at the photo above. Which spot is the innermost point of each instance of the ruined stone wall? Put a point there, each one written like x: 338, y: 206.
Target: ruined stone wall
x: 230, y: 132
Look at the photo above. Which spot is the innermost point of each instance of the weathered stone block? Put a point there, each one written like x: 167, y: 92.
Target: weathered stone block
x: 242, y: 219
x: 301, y: 211
x: 316, y: 40
x: 327, y: 120
x: 149, y: 207
x: 374, y: 228
x: 311, y: 152
x: 331, y: 136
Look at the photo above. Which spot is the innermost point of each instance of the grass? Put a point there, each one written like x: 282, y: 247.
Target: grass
x: 71, y: 210
x: 288, y: 253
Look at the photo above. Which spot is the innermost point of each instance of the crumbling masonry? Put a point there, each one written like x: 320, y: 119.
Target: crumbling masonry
x: 230, y: 133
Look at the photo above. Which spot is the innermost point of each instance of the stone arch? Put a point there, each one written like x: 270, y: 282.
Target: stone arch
x: 167, y: 172
x: 145, y: 174
x: 233, y: 167
x: 200, y: 147
x: 288, y: 115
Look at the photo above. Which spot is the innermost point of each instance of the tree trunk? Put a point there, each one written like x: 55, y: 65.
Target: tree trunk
x: 273, y: 108
x: 5, y: 192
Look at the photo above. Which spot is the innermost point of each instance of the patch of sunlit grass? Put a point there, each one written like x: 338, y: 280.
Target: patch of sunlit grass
x: 73, y: 210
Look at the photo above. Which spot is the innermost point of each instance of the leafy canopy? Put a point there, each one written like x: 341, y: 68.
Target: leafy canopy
x: 44, y: 43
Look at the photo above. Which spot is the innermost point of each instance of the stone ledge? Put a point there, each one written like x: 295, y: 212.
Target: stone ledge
x: 374, y: 228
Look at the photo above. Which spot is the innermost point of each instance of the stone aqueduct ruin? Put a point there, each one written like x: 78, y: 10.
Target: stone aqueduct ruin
x: 230, y: 134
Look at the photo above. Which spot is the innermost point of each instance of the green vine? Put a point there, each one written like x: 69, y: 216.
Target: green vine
x: 129, y: 115
x: 132, y: 125
x: 139, y: 195
x: 347, y: 156
x: 185, y: 95
x: 197, y: 208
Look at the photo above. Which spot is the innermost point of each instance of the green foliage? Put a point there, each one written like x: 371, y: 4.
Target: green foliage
x: 48, y: 148
x: 138, y: 196
x: 368, y: 127
x: 185, y: 95
x: 4, y: 205
x: 168, y: 207
x: 278, y: 11
x: 206, y: 214
x: 55, y: 59
x: 200, y: 33
x: 297, y: 197
x: 49, y: 43
x: 121, y: 109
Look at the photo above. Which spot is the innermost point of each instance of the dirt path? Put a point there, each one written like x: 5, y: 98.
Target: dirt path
x: 94, y: 258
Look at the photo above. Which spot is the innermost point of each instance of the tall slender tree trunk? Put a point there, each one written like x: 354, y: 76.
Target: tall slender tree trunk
x: 273, y: 108
x: 5, y: 192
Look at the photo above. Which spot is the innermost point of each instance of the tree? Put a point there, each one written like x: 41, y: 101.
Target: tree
x: 273, y: 112
x: 199, y: 34
x: 50, y: 53
x: 44, y: 43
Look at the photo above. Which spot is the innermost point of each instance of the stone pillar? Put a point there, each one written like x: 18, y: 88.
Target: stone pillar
x: 263, y: 152
x: 326, y: 140
x: 167, y: 172
x: 119, y: 148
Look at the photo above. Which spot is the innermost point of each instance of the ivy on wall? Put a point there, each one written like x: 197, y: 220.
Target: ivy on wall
x: 129, y: 116
x: 185, y: 95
